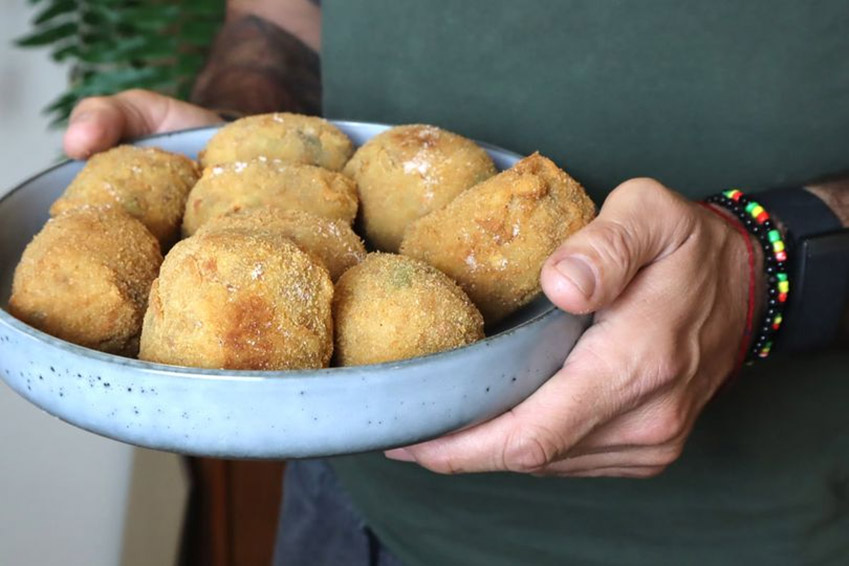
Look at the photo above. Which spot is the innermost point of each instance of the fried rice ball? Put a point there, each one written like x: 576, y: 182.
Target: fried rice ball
x: 239, y: 299
x: 292, y: 138
x: 147, y: 182
x: 409, y: 171
x: 85, y: 278
x: 494, y: 238
x: 391, y: 307
x: 333, y: 242
x: 263, y: 182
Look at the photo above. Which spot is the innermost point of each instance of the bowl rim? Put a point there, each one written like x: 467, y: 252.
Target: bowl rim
x: 252, y: 375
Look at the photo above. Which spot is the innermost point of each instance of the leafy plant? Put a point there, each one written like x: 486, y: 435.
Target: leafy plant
x: 113, y: 45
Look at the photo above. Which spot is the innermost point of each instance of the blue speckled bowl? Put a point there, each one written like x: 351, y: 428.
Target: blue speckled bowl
x: 252, y: 414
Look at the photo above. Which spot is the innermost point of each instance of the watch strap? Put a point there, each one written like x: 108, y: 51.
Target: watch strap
x: 818, y: 250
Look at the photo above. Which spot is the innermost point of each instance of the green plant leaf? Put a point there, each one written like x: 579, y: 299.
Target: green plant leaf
x: 64, y: 51
x: 66, y: 99
x: 47, y: 36
x: 113, y: 45
x: 58, y: 8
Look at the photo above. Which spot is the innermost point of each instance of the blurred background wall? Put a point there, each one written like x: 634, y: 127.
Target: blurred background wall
x: 68, y: 497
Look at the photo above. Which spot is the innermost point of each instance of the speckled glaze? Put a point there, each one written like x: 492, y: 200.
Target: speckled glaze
x: 290, y: 414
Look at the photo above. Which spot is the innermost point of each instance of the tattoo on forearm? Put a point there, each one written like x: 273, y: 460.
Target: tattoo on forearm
x: 256, y: 67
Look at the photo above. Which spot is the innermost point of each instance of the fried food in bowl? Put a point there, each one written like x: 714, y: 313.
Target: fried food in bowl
x: 265, y: 182
x: 148, y: 183
x: 391, y: 307
x: 409, y: 171
x: 291, y: 138
x: 494, y: 237
x: 239, y: 299
x: 85, y: 278
x: 228, y: 413
x: 333, y: 242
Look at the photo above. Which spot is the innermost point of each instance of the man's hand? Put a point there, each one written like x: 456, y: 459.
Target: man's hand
x: 99, y: 123
x: 667, y: 280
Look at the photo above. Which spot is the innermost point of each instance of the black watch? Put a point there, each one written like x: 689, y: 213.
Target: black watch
x: 818, y: 250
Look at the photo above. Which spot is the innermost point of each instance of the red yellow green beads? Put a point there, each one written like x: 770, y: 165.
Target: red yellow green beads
x: 758, y: 223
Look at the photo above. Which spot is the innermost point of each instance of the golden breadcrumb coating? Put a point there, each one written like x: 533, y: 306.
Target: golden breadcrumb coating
x: 263, y: 182
x: 409, y: 171
x: 147, y: 182
x: 239, y: 299
x: 292, y: 138
x: 332, y: 242
x: 391, y: 307
x: 494, y: 237
x: 85, y: 278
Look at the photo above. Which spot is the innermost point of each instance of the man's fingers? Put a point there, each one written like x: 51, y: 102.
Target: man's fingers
x: 651, y: 456
x: 537, y: 432
x: 594, y: 265
x: 99, y: 123
x: 95, y: 124
x: 662, y: 422
x: 633, y: 472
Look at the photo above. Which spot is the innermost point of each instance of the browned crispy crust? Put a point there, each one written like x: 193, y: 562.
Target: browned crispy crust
x: 409, y: 171
x: 391, y: 307
x: 85, y: 279
x: 263, y: 182
x: 332, y: 242
x: 148, y: 183
x: 291, y: 138
x: 239, y: 299
x: 493, y: 238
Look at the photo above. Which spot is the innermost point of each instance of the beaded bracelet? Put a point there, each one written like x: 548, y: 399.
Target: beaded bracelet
x: 757, y: 221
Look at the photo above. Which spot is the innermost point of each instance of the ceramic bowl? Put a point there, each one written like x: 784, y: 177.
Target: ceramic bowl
x: 254, y: 414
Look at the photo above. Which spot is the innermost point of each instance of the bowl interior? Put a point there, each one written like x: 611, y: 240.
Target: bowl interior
x: 25, y: 209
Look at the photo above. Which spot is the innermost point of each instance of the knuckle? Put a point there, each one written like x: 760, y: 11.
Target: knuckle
x: 529, y: 450
x: 651, y: 196
x: 614, y: 243
x: 642, y: 188
x: 666, y: 427
x: 650, y: 472
x: 91, y: 101
x: 674, y: 357
x: 139, y: 93
x: 669, y: 454
x: 438, y: 462
x: 444, y: 467
x: 671, y: 363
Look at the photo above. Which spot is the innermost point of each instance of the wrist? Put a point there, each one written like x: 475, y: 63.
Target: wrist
x: 753, y: 219
x: 757, y: 258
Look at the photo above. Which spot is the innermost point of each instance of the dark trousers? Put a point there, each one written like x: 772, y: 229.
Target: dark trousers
x: 318, y: 524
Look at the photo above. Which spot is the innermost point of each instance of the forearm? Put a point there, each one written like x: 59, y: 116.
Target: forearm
x: 264, y: 59
x: 835, y: 194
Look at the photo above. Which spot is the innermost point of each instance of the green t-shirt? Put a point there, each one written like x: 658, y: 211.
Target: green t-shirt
x: 703, y: 96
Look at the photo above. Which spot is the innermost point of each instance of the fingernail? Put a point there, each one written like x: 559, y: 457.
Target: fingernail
x: 400, y: 454
x: 81, y: 117
x: 579, y: 273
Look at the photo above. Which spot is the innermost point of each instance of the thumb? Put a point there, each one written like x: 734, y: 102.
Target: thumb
x: 99, y: 123
x: 640, y: 222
